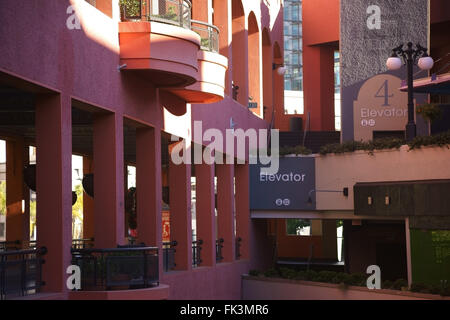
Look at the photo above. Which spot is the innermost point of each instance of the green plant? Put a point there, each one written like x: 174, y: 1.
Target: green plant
x: 442, y: 139
x: 429, y: 111
x: 294, y: 150
x: 253, y: 273
x: 399, y: 284
x: 288, y: 273
x: 205, y: 43
x: 387, y: 284
x: 271, y: 273
x: 130, y: 8
x: 351, y: 146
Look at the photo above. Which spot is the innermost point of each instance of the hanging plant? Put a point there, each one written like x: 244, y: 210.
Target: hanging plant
x: 429, y: 112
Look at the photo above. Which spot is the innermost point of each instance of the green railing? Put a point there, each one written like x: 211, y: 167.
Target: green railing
x: 209, y: 35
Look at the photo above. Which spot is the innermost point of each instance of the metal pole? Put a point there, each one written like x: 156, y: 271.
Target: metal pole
x: 410, y: 126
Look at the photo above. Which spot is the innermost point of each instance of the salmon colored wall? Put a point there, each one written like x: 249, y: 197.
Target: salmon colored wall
x: 320, y: 21
x: 320, y: 39
x: 334, y: 172
x: 254, y: 63
x: 296, y: 246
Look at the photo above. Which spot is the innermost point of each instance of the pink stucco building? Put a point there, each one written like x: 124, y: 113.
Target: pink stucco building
x: 113, y: 85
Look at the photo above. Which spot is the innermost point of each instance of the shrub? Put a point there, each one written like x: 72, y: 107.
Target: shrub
x: 387, y: 284
x: 288, y: 273
x: 271, y: 273
x: 325, y: 276
x: 399, y: 283
x: 253, y: 272
x: 294, y: 150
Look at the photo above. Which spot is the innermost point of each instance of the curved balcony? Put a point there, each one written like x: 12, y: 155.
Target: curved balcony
x: 212, y: 66
x: 156, y: 42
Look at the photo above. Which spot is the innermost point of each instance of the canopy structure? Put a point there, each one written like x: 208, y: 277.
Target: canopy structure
x: 436, y: 84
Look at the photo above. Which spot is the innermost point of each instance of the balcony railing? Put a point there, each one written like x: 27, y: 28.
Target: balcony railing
x: 209, y: 35
x: 176, y: 12
x: 118, y: 268
x: 10, y: 245
x: 169, y: 255
x: 238, y: 248
x: 76, y: 244
x: 21, y: 272
x: 196, y: 253
x: 219, y: 246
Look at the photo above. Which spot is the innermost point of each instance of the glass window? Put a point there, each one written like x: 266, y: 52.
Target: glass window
x: 298, y: 227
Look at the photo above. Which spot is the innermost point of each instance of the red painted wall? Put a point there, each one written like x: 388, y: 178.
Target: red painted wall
x: 320, y: 39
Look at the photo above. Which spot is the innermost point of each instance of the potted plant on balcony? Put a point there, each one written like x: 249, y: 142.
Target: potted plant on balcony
x: 130, y: 10
x: 430, y: 112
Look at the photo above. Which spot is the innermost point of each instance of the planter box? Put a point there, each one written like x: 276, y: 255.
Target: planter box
x: 261, y: 288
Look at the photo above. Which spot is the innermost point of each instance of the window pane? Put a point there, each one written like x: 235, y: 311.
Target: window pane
x: 298, y: 227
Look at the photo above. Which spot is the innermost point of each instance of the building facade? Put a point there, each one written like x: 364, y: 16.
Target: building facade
x: 119, y: 83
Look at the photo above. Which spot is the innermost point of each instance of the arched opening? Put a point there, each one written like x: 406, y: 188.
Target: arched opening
x: 267, y: 74
x: 254, y: 71
x: 239, y: 54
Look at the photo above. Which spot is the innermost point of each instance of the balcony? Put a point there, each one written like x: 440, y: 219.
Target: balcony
x: 128, y: 272
x: 20, y: 272
x: 118, y: 268
x: 212, y: 66
x: 160, y: 42
x: 156, y: 42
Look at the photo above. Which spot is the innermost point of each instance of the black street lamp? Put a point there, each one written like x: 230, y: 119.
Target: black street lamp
x: 410, y: 57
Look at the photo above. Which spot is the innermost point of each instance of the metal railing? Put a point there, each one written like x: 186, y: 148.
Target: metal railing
x: 176, y: 12
x: 238, y: 248
x: 196, y: 252
x: 10, y: 245
x: 219, y: 246
x: 169, y: 255
x: 209, y: 35
x: 118, y: 268
x: 76, y: 244
x: 82, y: 243
x: 21, y: 272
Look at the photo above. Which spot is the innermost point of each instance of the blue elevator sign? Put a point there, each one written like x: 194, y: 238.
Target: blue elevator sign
x: 288, y: 189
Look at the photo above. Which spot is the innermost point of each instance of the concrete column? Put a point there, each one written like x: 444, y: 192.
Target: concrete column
x: 26, y: 198
x: 318, y: 75
x: 54, y: 187
x: 225, y: 210
x: 243, y: 208
x: 14, y: 190
x: 108, y: 185
x: 148, y: 185
x: 205, y: 205
x: 180, y: 212
x: 329, y: 239
x: 408, y: 251
x: 222, y: 15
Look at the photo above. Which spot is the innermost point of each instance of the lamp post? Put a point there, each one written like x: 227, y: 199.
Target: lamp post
x: 410, y: 58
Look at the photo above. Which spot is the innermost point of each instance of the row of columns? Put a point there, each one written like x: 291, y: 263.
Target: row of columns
x: 229, y: 208
x: 105, y: 221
